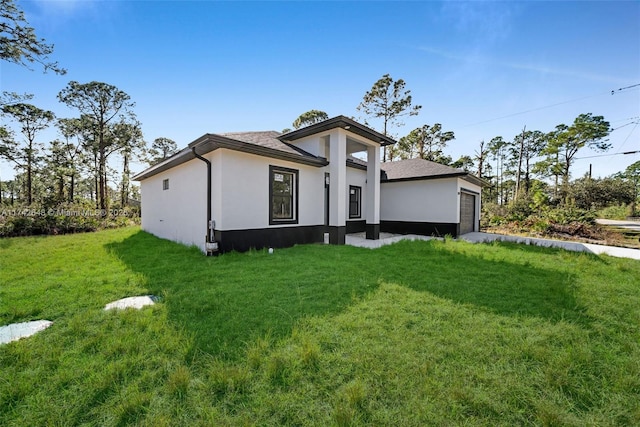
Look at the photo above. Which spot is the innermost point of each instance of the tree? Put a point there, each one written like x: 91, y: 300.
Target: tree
x: 464, y: 162
x: 57, y: 165
x: 309, y: 118
x: 32, y: 120
x: 389, y: 101
x: 497, y: 147
x: 585, y: 131
x: 101, y: 103
x: 526, y: 146
x: 589, y: 193
x: 129, y: 140
x: 19, y: 43
x: 161, y: 149
x: 6, y: 148
x: 481, y: 158
x: 8, y: 98
x: 426, y: 142
x: 69, y: 152
x: 632, y: 174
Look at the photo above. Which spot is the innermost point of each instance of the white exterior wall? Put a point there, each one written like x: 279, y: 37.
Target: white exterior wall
x: 240, y: 196
x: 433, y: 200
x: 245, y: 192
x: 313, y: 144
x: 179, y: 213
x: 358, y: 178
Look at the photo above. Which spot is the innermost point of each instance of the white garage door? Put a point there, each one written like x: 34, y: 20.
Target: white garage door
x: 467, y: 213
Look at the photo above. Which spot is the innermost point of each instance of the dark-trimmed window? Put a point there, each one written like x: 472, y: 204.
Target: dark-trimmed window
x: 283, y: 195
x: 355, y: 201
x: 165, y: 184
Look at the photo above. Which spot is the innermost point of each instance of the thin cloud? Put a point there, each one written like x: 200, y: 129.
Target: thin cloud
x: 64, y: 7
x: 537, y: 68
x: 488, y: 21
x: 55, y: 14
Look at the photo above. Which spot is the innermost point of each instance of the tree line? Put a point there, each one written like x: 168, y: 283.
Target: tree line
x: 531, y: 161
x: 75, y: 166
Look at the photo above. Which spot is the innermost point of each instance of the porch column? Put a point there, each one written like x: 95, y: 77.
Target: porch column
x: 337, y: 187
x: 373, y: 193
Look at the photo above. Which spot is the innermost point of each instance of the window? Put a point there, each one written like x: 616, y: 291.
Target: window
x: 283, y: 195
x: 354, y: 201
x: 165, y: 184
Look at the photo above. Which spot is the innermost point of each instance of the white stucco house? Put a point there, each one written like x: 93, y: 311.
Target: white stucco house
x: 236, y: 191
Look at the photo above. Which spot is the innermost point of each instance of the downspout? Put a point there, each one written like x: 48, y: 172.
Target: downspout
x: 211, y: 245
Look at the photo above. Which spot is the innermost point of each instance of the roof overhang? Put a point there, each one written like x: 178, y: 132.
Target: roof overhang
x: 338, y: 122
x: 210, y: 142
x: 462, y: 175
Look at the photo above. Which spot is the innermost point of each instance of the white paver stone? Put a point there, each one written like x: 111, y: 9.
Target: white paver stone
x: 15, y: 331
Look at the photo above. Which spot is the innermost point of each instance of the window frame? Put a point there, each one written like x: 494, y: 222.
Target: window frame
x: 358, y: 201
x: 294, y: 195
x: 165, y: 184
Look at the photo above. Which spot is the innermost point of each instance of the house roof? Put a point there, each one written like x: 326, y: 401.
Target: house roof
x: 420, y: 169
x: 265, y: 143
x: 262, y: 143
x: 268, y: 139
x: 342, y: 122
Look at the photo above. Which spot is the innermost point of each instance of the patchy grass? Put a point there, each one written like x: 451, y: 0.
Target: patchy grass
x: 417, y: 333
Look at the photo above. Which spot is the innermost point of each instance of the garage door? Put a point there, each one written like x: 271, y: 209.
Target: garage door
x: 467, y: 212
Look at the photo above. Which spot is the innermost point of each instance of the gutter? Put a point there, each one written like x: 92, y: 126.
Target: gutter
x: 211, y: 246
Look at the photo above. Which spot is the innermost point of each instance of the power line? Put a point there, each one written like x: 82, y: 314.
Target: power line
x: 534, y: 109
x: 625, y: 125
x: 552, y: 105
x: 628, y: 136
x: 629, y: 119
x: 624, y: 88
x: 607, y: 155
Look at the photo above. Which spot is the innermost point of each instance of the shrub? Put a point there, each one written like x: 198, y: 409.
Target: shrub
x: 64, y: 219
x: 520, y: 209
x: 570, y: 214
x: 615, y: 212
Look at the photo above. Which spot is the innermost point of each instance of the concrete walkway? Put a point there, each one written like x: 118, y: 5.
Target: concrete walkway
x: 360, y: 240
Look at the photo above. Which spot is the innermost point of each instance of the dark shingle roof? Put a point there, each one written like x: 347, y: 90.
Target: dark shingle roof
x: 418, y: 168
x: 267, y: 139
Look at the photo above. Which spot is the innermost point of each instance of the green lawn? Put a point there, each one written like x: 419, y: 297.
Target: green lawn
x: 417, y: 333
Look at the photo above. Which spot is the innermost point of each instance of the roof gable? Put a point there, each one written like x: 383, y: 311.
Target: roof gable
x: 338, y: 122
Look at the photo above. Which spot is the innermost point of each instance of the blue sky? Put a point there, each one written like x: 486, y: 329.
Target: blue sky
x: 204, y: 66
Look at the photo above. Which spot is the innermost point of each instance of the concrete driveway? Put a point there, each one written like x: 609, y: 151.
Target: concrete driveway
x: 570, y: 246
x: 358, y: 239
x: 628, y: 224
